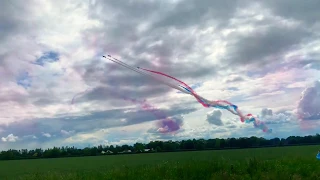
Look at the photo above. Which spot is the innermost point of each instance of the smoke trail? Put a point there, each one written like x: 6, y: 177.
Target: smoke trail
x: 222, y: 104
x: 165, y: 125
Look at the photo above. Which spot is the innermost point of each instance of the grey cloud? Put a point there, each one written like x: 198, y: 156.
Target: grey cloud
x: 190, y: 12
x: 122, y: 27
x: 172, y: 44
x: 189, y: 70
x: 14, y: 96
x: 215, y: 118
x: 11, y: 22
x: 19, y: 128
x: 309, y: 104
x: 231, y: 126
x: 43, y: 97
x: 44, y: 101
x: 114, y: 77
x: 304, y: 11
x: 118, y: 81
x: 259, y: 48
x: 279, y: 117
x: 113, y: 95
x: 45, y: 128
x: 37, y: 97
x: 235, y: 78
x: 266, y: 112
x: 163, y: 44
x: 124, y: 10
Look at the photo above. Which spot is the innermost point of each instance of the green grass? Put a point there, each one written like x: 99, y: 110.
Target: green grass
x: 264, y: 163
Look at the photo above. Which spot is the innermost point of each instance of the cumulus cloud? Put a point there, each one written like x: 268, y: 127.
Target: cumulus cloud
x: 214, y: 117
x: 46, y: 135
x: 10, y: 138
x: 266, y: 112
x: 309, y: 104
x: 281, y: 117
x: 67, y: 133
x: 233, y: 78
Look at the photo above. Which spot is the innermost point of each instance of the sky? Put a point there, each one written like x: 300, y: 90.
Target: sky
x: 57, y: 90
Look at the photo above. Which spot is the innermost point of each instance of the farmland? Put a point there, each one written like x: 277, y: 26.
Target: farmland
x: 297, y: 162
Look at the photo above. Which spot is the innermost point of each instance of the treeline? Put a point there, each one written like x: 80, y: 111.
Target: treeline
x: 159, y: 146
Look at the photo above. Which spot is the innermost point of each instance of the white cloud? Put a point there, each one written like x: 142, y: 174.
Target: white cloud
x: 67, y: 133
x: 46, y: 135
x: 309, y: 104
x: 10, y: 138
x: 30, y: 137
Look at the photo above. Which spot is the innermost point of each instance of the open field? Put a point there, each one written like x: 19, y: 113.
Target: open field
x: 297, y: 162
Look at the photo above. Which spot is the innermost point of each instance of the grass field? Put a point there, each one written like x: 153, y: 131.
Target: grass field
x: 264, y: 163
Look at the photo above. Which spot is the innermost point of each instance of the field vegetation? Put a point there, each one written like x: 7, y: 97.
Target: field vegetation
x: 295, y: 162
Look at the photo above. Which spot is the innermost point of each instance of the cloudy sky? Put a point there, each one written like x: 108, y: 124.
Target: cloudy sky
x: 56, y: 89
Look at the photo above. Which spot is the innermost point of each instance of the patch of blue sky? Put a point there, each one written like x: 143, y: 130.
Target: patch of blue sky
x: 313, y: 66
x: 194, y: 86
x: 233, y: 89
x: 24, y: 80
x: 47, y: 57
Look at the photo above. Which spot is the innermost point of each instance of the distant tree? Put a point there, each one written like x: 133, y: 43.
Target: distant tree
x: 158, y: 149
x: 211, y: 143
x: 138, y: 147
x: 170, y: 146
x: 8, y: 155
x: 125, y: 148
x: 233, y: 142
x: 200, y: 144
x: 217, y: 145
x: 188, y: 144
x: 158, y: 146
